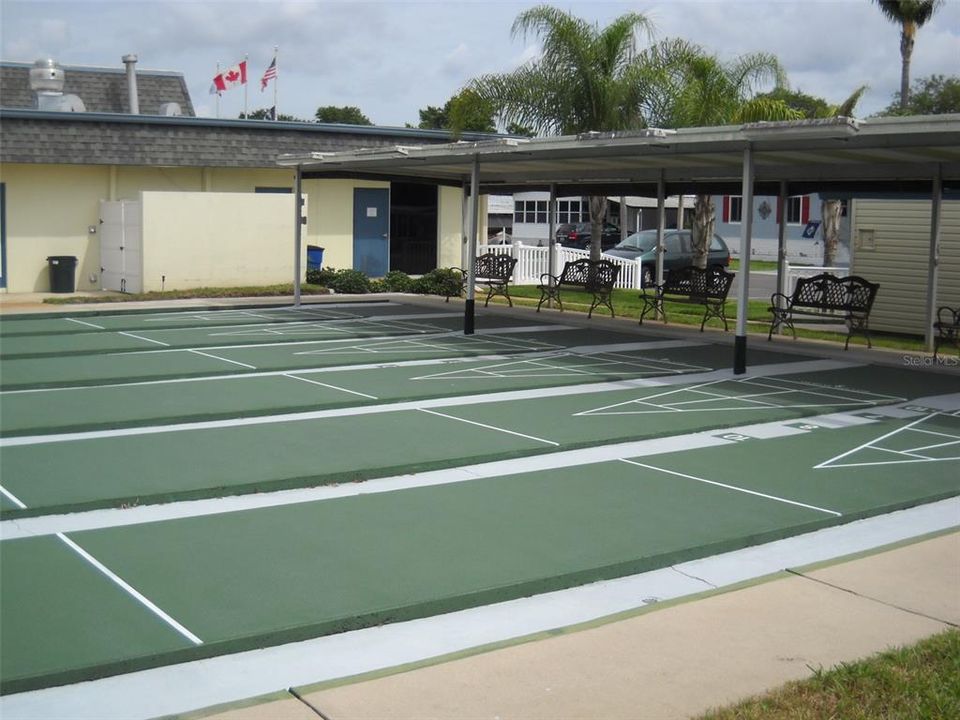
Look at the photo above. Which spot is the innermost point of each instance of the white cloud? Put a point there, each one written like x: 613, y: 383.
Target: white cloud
x: 393, y: 57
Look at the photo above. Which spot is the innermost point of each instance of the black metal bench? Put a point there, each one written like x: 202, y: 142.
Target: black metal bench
x: 493, y: 270
x: 826, y: 298
x: 947, y: 327
x: 596, y: 277
x: 694, y: 286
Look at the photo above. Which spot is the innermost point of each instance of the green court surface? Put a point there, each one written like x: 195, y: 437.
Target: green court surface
x: 206, y: 398
x: 39, y: 346
x: 359, y: 561
x: 113, y: 320
x: 154, y: 464
x: 796, y: 444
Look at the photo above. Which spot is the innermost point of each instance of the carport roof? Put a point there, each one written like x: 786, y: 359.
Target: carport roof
x: 840, y: 155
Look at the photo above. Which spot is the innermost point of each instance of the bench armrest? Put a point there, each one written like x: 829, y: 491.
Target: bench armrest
x: 546, y: 277
x: 781, y: 296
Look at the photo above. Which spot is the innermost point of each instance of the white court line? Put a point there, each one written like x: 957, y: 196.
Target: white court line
x: 12, y: 498
x: 830, y: 463
x: 226, y: 360
x: 908, y: 453
x: 332, y: 387
x: 140, y: 337
x: 734, y: 487
x: 84, y: 322
x: 123, y: 517
x: 931, y: 447
x: 426, y: 362
x: 488, y: 427
x: 477, y: 399
x: 133, y: 592
x: 116, y: 579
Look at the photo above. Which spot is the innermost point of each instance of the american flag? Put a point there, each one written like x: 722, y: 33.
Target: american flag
x: 270, y: 74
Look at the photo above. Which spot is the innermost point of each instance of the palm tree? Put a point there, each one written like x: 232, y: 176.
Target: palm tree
x: 585, y: 79
x: 830, y: 210
x: 696, y: 89
x: 910, y: 15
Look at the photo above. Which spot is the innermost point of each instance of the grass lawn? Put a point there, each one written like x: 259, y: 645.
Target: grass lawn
x: 921, y: 681
x: 627, y: 303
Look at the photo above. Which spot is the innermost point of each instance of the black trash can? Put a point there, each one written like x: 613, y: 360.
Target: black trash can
x: 63, y: 270
x: 314, y: 257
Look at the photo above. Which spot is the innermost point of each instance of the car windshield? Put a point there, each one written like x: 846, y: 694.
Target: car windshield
x: 644, y: 241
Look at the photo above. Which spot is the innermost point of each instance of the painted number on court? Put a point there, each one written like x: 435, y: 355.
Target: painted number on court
x: 733, y: 437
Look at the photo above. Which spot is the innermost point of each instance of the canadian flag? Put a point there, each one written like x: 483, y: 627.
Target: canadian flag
x: 237, y: 75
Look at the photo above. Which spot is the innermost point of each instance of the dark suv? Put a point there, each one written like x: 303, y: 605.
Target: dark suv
x: 578, y: 235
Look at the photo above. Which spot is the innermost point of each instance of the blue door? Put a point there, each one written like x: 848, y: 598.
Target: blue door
x: 371, y: 231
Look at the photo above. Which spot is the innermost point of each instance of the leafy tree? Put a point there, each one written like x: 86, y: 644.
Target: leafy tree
x: 694, y: 89
x: 583, y: 80
x: 933, y: 95
x: 910, y: 15
x: 807, y: 105
x: 465, y: 111
x: 434, y: 118
x: 265, y: 114
x: 518, y: 129
x: 346, y: 115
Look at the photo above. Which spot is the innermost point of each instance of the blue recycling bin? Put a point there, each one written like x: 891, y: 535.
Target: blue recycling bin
x: 314, y: 257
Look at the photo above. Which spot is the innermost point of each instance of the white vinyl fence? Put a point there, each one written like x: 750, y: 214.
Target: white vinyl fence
x: 533, y: 261
x: 793, y: 272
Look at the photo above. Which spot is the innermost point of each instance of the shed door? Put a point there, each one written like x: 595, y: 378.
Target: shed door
x: 121, y: 246
x: 371, y: 231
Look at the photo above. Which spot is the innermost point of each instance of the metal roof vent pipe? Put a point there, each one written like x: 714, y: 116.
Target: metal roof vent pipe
x: 130, y: 61
x: 47, y: 80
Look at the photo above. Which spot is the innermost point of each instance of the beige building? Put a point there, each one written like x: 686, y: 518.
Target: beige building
x: 170, y: 201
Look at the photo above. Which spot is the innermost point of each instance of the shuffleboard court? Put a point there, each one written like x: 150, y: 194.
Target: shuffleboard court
x: 119, y: 405
x: 39, y: 346
x: 54, y: 473
x: 64, y: 371
x: 114, y: 320
x: 359, y: 561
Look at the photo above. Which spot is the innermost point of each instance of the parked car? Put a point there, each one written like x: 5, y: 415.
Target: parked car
x: 578, y: 235
x: 678, y: 251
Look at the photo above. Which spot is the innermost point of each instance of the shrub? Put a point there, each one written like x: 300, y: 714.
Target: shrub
x: 442, y: 281
x: 350, y: 282
x: 323, y: 276
x: 397, y: 281
x: 378, y: 285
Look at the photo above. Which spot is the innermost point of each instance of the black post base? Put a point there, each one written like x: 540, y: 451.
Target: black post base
x: 468, y: 317
x: 739, y: 354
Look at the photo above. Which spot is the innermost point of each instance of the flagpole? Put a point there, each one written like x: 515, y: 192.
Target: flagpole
x: 218, y: 93
x: 276, y: 81
x: 246, y: 64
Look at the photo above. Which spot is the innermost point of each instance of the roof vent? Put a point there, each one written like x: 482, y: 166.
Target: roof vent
x: 46, y: 80
x: 46, y: 76
x: 171, y: 108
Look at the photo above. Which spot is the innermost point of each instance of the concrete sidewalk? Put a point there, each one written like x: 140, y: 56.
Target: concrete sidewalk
x: 676, y: 661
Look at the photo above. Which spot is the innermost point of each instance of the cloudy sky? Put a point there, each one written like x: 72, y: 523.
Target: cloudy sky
x: 393, y: 57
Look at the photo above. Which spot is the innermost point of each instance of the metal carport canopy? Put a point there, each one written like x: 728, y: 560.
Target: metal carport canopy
x: 915, y: 155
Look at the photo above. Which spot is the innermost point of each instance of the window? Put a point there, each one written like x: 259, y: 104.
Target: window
x: 736, y: 209
x: 572, y: 211
x: 542, y: 212
x: 794, y: 205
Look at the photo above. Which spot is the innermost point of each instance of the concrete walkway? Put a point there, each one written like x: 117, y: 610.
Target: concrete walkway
x: 676, y: 661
